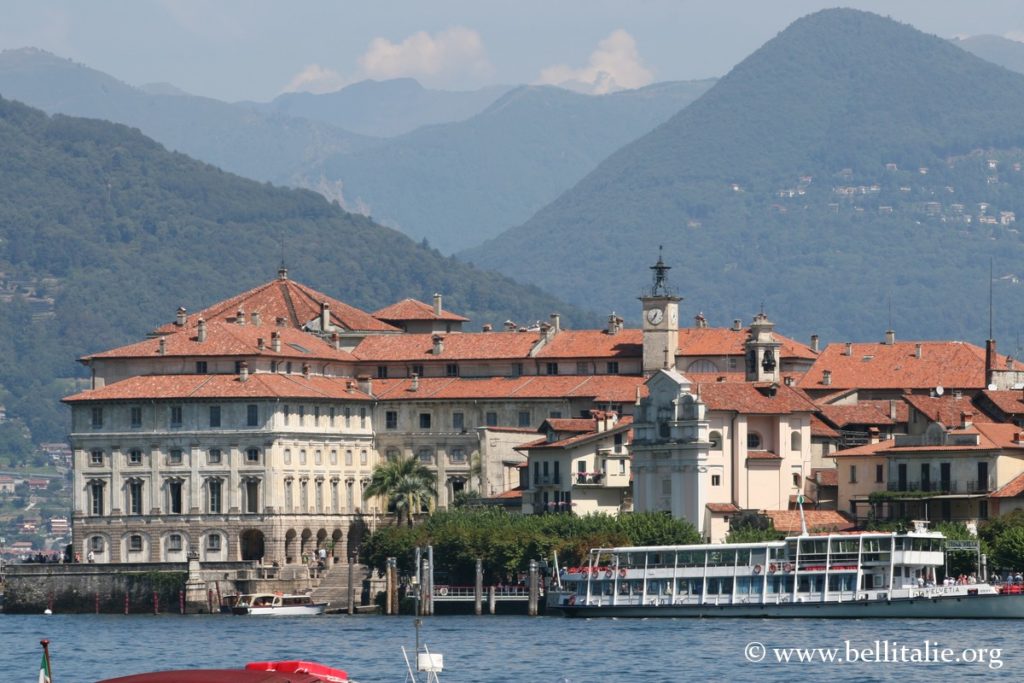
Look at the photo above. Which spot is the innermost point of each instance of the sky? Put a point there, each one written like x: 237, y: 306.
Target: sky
x: 256, y: 49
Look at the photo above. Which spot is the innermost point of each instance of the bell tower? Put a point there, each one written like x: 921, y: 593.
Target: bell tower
x: 762, y: 351
x: 660, y: 320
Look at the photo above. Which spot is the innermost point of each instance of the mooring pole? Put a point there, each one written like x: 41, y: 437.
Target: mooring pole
x: 389, y: 579
x: 430, y: 558
x: 492, y: 599
x: 532, y: 604
x: 351, y: 581
x: 478, y: 588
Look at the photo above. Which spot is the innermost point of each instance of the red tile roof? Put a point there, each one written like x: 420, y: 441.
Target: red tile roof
x: 819, y: 428
x: 722, y: 508
x: 258, y: 385
x: 1011, y: 402
x: 862, y: 413
x: 725, y: 341
x: 297, y: 304
x: 866, y: 449
x: 950, y: 364
x: 947, y: 409
x: 594, y: 344
x: 565, y: 424
x: 1012, y: 489
x: 577, y: 439
x: 788, y: 521
x: 411, y: 309
x: 763, y: 455
x: 825, y: 476
x: 509, y: 495
x: 599, y: 388
x: 754, y: 399
x: 230, y: 339
x: 456, y: 346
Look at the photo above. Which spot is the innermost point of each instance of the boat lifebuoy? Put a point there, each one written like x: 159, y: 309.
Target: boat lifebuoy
x: 788, y: 566
x: 608, y: 574
x: 757, y: 569
x: 442, y: 591
x: 622, y: 573
x: 772, y: 568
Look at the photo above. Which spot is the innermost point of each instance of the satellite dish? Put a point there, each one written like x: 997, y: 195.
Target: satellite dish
x: 939, y: 391
x: 991, y: 387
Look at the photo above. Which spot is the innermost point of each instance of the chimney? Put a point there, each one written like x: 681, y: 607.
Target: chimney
x: 815, y: 343
x: 873, y: 434
x: 163, y: 346
x: 280, y: 322
x: 826, y: 377
x: 275, y: 341
x: 788, y: 380
x: 365, y: 384
x: 438, y: 340
x: 1018, y: 437
x: 325, y: 316
x: 890, y: 337
x: 415, y: 384
x: 510, y: 326
x: 201, y: 330
x: 556, y: 323
x: 700, y: 321
x: 965, y: 419
x: 849, y: 349
x: 486, y: 327
x: 305, y: 370
x: 282, y: 273
x: 737, y: 325
x: 614, y: 324
x: 336, y: 341
x: 917, y: 350
x: 181, y: 319
x: 243, y: 371
x: 1009, y: 362
x: 255, y: 317
x: 990, y: 361
x: 547, y: 331
x: 350, y: 386
x: 892, y: 409
x: 261, y: 344
x: 240, y: 317
x: 437, y: 304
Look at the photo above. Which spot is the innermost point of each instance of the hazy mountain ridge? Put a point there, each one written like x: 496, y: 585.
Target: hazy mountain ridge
x: 384, y: 108
x: 119, y: 233
x: 996, y: 49
x: 266, y: 147
x: 823, y: 101
x: 460, y: 183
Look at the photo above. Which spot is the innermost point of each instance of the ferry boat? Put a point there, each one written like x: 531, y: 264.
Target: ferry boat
x: 845, y: 575
x: 278, y: 604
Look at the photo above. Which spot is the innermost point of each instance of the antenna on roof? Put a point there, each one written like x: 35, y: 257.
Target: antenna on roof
x: 990, y: 298
x: 890, y: 309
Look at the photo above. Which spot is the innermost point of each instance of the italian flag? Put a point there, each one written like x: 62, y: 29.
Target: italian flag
x: 44, y: 670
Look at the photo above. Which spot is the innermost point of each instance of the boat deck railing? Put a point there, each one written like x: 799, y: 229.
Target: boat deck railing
x: 468, y: 593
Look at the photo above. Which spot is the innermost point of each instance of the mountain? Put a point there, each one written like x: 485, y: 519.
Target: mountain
x: 104, y: 233
x: 268, y: 147
x: 457, y: 184
x: 996, y: 49
x: 850, y: 167
x: 384, y: 108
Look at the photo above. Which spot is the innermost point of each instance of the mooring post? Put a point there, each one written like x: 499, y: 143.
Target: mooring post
x: 492, y: 599
x: 430, y: 559
x: 181, y: 602
x: 209, y: 600
x: 351, y: 582
x: 156, y: 603
x: 389, y: 578
x: 126, y: 604
x: 532, y: 604
x: 478, y: 588
x: 425, y: 589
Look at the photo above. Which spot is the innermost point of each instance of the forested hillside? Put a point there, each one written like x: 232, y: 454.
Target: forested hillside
x: 849, y: 162
x: 104, y: 233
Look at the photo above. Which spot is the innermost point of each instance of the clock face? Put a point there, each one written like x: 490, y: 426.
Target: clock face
x: 654, y: 316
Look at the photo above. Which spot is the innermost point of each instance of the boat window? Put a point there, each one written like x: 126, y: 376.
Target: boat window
x: 743, y: 557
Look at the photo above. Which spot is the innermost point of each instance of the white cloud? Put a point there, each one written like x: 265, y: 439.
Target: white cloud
x: 316, y: 79
x: 614, y: 65
x: 449, y: 55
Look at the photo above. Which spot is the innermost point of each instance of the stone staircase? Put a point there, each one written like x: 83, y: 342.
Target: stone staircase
x: 333, y: 588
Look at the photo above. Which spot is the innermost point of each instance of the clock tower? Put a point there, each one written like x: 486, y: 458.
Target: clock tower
x: 661, y: 321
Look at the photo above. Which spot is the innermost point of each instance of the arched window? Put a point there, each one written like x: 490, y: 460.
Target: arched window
x: 794, y: 441
x: 703, y: 366
x: 753, y: 441
x: 716, y: 440
x: 392, y: 454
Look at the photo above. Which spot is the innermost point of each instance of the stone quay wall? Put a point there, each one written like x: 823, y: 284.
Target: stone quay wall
x: 84, y: 588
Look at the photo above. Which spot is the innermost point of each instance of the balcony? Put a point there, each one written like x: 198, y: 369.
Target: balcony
x: 588, y: 479
x: 952, y: 486
x: 547, y: 480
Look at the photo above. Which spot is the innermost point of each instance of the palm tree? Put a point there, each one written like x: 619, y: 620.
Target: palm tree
x: 407, y: 484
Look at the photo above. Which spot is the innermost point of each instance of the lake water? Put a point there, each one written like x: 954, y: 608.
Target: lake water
x: 508, y: 648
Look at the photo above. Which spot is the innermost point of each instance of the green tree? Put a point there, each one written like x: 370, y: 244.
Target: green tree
x: 1008, y: 551
x: 406, y: 483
